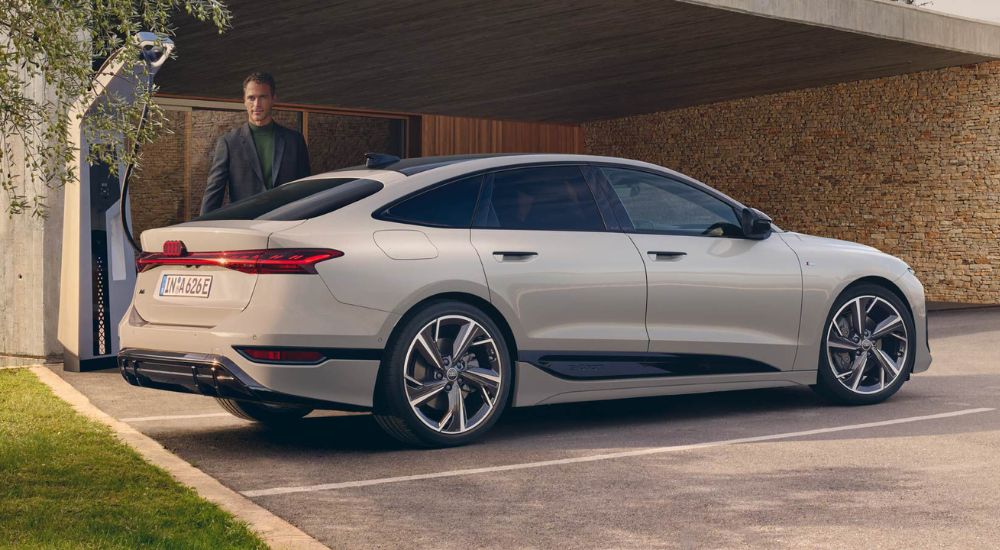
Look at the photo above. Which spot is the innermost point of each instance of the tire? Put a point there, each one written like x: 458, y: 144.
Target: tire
x: 863, y: 367
x: 443, y: 400
x: 265, y: 413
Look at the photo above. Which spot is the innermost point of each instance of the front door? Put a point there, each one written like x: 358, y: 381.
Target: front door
x: 726, y: 303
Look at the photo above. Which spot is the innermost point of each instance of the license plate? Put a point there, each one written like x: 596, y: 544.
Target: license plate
x: 194, y: 286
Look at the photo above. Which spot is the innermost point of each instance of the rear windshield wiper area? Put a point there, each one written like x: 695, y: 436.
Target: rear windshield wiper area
x: 298, y: 200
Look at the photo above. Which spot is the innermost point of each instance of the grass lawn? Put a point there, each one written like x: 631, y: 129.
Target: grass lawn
x: 67, y: 482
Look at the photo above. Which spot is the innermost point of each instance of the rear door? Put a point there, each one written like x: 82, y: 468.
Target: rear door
x: 555, y: 268
x: 720, y: 302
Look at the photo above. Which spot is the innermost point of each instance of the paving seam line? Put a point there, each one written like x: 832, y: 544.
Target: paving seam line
x: 607, y: 456
x: 276, y: 532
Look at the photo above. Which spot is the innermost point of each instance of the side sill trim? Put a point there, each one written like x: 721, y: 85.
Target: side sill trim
x: 617, y: 366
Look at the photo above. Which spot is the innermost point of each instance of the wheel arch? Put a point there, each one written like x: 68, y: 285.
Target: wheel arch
x: 882, y: 282
x: 488, y: 308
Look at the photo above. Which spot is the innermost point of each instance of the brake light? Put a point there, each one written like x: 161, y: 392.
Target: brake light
x: 277, y: 260
x: 266, y: 355
x: 174, y: 248
x: 293, y: 260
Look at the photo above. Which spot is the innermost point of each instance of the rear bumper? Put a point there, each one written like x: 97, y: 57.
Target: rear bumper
x: 286, y: 311
x: 206, y: 374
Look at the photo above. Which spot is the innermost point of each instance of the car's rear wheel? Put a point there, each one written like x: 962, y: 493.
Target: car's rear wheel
x: 265, y: 413
x: 445, y: 378
x: 868, y: 346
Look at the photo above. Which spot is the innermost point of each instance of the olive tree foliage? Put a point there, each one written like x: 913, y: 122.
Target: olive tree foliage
x: 49, y: 52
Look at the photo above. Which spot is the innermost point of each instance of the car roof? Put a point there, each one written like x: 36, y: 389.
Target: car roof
x: 399, y: 175
x: 417, y: 165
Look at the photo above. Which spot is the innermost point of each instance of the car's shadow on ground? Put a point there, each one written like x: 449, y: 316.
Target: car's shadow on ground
x: 643, y: 422
x: 647, y: 422
x: 360, y: 432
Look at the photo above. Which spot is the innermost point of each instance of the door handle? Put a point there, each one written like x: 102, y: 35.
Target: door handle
x: 661, y: 255
x: 513, y: 255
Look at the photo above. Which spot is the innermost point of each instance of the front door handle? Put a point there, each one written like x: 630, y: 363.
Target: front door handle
x: 513, y: 255
x: 661, y: 255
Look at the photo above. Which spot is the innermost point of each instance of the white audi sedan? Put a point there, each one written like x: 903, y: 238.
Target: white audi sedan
x: 436, y: 292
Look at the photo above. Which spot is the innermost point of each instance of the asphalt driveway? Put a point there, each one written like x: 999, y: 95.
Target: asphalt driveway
x: 752, y: 468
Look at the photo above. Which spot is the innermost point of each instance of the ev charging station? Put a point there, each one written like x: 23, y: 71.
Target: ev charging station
x: 98, y: 261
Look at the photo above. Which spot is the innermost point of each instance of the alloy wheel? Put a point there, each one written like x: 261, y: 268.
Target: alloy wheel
x: 867, y: 344
x: 452, y: 374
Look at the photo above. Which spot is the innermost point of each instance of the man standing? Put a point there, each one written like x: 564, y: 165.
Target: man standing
x: 255, y: 156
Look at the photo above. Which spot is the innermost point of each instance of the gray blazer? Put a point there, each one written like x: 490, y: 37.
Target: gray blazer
x: 235, y: 167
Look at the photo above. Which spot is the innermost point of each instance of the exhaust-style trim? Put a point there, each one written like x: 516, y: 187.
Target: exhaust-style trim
x: 205, y: 374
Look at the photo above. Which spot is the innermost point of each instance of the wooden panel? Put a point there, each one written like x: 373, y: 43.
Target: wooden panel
x: 444, y: 135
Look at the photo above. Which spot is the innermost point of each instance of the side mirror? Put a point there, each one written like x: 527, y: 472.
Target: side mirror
x: 756, y: 224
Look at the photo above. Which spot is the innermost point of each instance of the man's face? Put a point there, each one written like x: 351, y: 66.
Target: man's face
x: 258, y: 99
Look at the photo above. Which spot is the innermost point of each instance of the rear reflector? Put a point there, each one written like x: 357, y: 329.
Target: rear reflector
x: 291, y: 356
x: 276, y: 260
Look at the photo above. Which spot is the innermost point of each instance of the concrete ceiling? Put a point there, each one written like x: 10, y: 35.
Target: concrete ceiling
x: 558, y: 61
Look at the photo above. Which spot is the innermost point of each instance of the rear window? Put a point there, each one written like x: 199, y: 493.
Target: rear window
x: 298, y: 200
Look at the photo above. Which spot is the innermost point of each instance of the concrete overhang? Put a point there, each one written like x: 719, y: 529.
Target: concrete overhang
x: 564, y: 61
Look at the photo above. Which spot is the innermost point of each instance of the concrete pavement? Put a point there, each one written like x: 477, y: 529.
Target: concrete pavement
x: 926, y: 482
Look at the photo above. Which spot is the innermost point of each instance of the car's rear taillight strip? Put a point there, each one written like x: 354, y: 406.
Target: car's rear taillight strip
x: 275, y: 260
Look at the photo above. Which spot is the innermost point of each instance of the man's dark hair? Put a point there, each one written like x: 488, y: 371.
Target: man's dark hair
x: 260, y: 78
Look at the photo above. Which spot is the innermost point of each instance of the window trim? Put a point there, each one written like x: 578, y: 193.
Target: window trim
x: 605, y: 205
x: 626, y: 221
x: 486, y: 198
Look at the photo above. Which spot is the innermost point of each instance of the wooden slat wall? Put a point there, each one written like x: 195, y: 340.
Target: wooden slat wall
x: 445, y: 135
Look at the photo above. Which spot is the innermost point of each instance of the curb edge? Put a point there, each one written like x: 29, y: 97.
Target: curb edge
x: 276, y: 532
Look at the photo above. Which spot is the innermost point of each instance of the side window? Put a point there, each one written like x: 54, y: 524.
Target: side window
x: 450, y: 205
x: 554, y: 198
x: 658, y: 203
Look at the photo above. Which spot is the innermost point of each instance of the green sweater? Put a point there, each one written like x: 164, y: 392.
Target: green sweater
x: 263, y: 140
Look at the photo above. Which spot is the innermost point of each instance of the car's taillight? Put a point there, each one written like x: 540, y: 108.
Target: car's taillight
x: 276, y: 260
x: 279, y: 355
x: 293, y: 260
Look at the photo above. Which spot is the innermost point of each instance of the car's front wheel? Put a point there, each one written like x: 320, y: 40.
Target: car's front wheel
x: 445, y: 378
x: 868, y: 346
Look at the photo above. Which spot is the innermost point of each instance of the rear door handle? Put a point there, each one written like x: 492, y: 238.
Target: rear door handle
x: 660, y: 255
x: 513, y: 255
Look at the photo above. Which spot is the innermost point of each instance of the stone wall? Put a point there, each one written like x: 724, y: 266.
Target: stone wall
x: 156, y: 191
x: 908, y: 164
x: 338, y: 141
